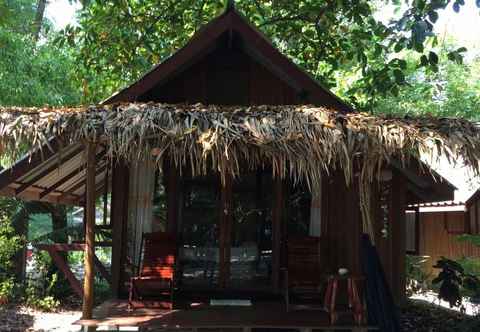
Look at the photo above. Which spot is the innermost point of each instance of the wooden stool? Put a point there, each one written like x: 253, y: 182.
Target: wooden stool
x: 355, y: 305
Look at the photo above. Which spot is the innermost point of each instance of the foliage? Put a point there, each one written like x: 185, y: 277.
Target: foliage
x: 452, y: 278
x: 417, y: 281
x: 472, y: 238
x: 33, y: 74
x: 44, y: 287
x: 453, y: 90
x: 38, y: 298
x: 324, y: 37
x: 6, y: 290
x: 9, y: 244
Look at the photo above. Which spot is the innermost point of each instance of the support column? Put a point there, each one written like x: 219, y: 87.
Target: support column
x: 118, y: 220
x: 89, y: 212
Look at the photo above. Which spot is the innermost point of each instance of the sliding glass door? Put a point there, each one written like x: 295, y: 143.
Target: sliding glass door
x: 199, y: 233
x: 250, y: 236
x: 226, y: 244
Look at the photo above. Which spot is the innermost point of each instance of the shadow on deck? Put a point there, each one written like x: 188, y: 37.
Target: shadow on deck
x: 261, y: 317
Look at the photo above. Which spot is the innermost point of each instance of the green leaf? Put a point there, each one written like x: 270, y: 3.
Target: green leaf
x: 423, y: 60
x: 433, y: 58
x: 399, y: 76
x: 433, y: 16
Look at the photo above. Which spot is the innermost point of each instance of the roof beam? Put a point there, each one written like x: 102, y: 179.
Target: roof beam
x: 98, y: 192
x: 68, y: 177
x: 29, y: 162
x: 42, y: 174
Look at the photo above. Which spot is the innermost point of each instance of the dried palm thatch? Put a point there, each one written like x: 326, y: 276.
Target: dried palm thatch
x: 300, y: 142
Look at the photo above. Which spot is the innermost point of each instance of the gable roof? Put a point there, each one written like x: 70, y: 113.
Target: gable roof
x: 256, y: 45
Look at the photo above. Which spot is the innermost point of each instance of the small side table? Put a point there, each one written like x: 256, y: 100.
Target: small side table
x: 355, y: 303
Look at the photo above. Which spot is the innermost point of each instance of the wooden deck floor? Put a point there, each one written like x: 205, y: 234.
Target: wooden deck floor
x: 261, y: 316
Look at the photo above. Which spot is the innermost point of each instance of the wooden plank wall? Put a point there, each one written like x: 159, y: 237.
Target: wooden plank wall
x: 341, y: 224
x: 226, y: 77
x: 391, y: 249
x: 435, y: 241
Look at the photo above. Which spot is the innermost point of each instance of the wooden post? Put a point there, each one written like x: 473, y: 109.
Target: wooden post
x: 118, y: 220
x: 89, y: 212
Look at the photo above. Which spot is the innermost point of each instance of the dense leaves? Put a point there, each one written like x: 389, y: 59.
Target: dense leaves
x: 452, y: 90
x: 326, y: 37
x: 452, y: 278
x: 33, y: 73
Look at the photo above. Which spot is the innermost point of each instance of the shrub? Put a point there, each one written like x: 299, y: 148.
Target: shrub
x: 6, y: 291
x: 38, y: 297
x: 9, y: 245
x: 418, y: 280
x: 454, y: 282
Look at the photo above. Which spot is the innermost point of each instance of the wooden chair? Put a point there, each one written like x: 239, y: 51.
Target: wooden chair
x: 156, y: 274
x: 303, y: 278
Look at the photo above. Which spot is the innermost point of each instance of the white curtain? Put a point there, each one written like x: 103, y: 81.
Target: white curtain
x: 316, y: 211
x: 140, y: 204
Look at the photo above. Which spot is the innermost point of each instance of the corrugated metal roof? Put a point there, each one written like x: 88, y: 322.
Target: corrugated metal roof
x: 57, y: 179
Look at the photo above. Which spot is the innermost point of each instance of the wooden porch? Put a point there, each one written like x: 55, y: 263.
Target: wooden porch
x: 260, y: 316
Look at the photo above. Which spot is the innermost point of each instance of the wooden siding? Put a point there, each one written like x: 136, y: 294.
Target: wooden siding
x: 435, y: 240
x: 226, y: 76
x: 389, y: 203
x: 341, y: 224
x: 473, y: 216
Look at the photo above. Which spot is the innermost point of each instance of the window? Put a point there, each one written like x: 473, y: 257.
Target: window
x: 299, y: 211
x: 159, y: 208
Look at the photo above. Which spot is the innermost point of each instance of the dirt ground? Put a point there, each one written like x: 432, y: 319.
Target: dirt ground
x: 20, y: 319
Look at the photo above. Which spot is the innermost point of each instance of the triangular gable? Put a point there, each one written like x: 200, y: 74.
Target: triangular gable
x: 255, y: 44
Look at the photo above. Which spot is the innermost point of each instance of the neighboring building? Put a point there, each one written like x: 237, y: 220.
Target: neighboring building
x: 433, y: 230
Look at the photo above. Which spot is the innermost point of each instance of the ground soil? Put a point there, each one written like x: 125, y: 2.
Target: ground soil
x: 422, y: 316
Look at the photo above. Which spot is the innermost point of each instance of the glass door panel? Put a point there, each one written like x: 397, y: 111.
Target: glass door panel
x: 199, y: 233
x: 251, y: 233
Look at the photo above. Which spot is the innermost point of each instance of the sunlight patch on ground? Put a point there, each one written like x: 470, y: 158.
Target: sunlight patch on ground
x: 471, y: 309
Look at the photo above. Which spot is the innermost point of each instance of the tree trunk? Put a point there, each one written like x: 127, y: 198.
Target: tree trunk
x: 37, y: 24
x: 59, y: 221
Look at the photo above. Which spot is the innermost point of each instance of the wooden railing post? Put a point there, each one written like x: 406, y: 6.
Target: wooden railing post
x: 87, y: 307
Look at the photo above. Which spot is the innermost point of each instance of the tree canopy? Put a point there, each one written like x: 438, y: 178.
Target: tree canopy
x: 328, y: 38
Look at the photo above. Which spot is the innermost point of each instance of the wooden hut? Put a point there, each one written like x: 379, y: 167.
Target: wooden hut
x: 433, y: 230
x: 472, y: 214
x: 231, y: 148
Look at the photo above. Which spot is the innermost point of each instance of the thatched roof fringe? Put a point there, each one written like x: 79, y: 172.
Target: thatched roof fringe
x: 304, y: 138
